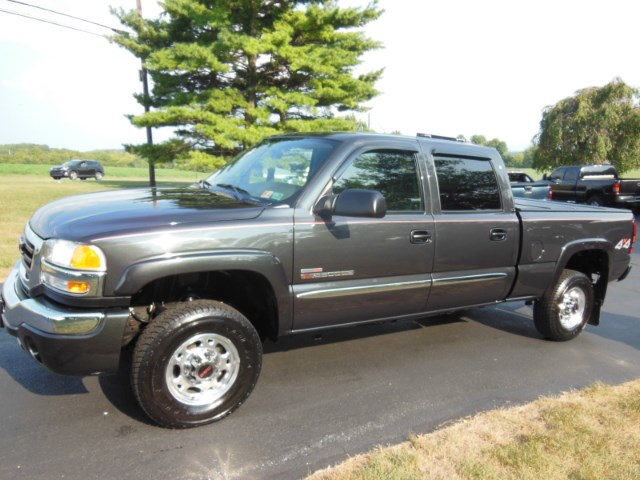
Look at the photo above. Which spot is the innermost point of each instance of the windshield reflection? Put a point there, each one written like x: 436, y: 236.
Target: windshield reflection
x: 274, y: 171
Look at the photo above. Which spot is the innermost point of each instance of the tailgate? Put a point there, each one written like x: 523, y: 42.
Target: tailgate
x: 630, y: 186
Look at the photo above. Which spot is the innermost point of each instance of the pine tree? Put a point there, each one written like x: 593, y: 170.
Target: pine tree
x: 225, y: 74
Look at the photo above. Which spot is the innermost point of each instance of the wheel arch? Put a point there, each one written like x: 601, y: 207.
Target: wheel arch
x: 591, y: 257
x: 252, y: 282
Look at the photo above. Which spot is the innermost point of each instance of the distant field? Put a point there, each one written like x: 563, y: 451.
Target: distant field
x: 25, y: 188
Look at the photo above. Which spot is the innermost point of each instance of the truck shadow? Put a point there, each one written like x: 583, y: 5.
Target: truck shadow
x: 117, y: 390
x: 513, y: 318
x: 346, y: 334
x: 620, y: 328
x: 33, y: 376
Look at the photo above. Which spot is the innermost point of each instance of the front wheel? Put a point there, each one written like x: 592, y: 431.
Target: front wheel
x: 73, y: 175
x: 195, y: 364
x: 565, y: 310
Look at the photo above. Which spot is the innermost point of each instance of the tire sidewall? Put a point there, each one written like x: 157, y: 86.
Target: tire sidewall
x: 547, y: 314
x: 169, y: 411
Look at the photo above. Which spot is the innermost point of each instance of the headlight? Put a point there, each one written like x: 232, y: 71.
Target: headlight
x: 78, y: 256
x: 72, y: 267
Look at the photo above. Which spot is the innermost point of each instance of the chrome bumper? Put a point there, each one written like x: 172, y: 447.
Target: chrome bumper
x: 43, y: 315
x: 65, y: 340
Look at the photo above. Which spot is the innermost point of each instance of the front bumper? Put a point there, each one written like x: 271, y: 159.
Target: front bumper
x: 65, y: 340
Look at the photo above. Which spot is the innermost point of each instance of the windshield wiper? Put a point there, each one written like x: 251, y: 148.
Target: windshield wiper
x: 242, y: 194
x: 233, y: 188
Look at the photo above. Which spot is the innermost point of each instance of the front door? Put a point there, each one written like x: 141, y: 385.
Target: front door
x: 351, y: 270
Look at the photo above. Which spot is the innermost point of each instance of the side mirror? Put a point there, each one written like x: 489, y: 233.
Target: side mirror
x: 544, y: 177
x: 352, y: 203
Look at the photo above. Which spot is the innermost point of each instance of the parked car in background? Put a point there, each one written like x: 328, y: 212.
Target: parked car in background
x: 522, y: 185
x: 597, y: 185
x: 74, y: 169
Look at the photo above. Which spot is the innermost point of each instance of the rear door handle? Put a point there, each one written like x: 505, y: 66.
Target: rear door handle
x: 420, y: 236
x: 498, y: 234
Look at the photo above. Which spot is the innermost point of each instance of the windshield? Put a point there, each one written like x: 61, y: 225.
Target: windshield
x: 72, y: 163
x: 275, y: 170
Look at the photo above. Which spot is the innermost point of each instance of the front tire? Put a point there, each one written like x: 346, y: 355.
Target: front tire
x: 565, y: 310
x: 195, y: 363
x: 73, y: 175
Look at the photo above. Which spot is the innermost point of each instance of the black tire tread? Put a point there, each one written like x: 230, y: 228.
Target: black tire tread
x: 169, y: 321
x: 545, y: 314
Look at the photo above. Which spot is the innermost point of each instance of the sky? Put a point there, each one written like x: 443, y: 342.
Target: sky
x: 454, y: 67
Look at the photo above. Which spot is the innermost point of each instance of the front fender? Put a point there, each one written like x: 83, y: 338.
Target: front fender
x: 139, y: 274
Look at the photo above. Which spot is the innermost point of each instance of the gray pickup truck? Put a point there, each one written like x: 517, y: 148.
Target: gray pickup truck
x: 298, y: 234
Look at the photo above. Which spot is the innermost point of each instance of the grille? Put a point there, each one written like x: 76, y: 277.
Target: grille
x: 30, y: 246
x: 27, y: 249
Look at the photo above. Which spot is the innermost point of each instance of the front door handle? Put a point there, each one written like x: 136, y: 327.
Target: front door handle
x: 498, y: 234
x: 420, y: 236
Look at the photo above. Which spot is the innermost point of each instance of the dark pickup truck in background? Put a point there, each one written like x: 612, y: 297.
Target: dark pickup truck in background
x: 596, y: 185
x: 523, y: 186
x: 297, y: 234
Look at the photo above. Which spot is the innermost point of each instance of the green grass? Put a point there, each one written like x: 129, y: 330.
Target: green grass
x: 110, y: 172
x: 25, y: 188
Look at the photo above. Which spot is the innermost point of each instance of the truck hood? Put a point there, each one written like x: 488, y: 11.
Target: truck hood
x: 84, y: 217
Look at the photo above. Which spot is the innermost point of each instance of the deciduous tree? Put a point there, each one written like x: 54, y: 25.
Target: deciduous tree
x: 597, y: 125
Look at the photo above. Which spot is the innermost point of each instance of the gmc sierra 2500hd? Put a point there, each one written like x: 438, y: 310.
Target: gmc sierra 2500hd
x: 300, y: 233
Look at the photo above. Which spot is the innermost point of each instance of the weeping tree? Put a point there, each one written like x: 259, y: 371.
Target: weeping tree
x: 596, y: 125
x: 225, y: 74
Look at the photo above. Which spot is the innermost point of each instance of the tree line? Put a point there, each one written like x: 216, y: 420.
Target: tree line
x: 28, y: 153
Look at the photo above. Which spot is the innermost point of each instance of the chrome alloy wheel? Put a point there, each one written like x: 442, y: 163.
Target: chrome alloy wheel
x: 202, y: 370
x: 571, y: 309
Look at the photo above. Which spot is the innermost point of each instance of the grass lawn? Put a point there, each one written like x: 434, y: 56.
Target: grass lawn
x: 590, y: 435
x: 25, y: 188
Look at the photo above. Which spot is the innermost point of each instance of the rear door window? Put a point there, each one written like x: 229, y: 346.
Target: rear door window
x: 466, y: 184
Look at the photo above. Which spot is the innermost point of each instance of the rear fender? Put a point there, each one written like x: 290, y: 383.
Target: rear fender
x: 589, y: 256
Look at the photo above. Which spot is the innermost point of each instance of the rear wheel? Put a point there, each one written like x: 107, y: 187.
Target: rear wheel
x: 565, y: 310
x: 595, y: 201
x: 99, y: 175
x: 195, y: 364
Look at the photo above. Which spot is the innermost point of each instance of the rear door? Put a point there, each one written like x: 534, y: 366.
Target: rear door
x: 477, y: 234
x: 350, y: 270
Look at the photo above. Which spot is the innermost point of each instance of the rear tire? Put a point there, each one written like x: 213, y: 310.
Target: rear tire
x: 595, y: 201
x: 99, y: 176
x: 565, y: 310
x: 195, y: 364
